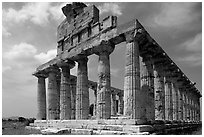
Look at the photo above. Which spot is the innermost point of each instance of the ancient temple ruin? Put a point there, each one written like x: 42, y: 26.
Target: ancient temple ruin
x: 155, y: 88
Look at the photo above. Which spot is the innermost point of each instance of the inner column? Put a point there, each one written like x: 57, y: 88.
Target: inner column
x: 104, y: 81
x: 82, y: 92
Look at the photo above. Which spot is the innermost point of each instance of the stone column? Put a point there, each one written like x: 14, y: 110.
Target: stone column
x: 187, y: 107
x: 82, y: 93
x: 175, y: 102
x: 113, y: 104
x: 65, y: 92
x: 168, y: 100
x: 104, y: 81
x: 180, y: 105
x: 53, y: 94
x: 184, y: 107
x: 133, y: 97
x: 95, y: 105
x: 147, y: 86
x: 41, y: 97
x: 73, y: 97
x: 159, y: 95
x: 120, y: 104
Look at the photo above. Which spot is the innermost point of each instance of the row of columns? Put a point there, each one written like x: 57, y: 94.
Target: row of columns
x: 149, y: 94
x: 152, y: 94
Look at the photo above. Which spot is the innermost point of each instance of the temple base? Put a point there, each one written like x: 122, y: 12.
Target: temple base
x: 120, y: 126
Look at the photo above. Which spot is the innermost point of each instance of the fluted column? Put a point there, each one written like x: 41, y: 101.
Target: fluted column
x: 187, y: 106
x: 133, y: 97
x: 104, y: 80
x: 175, y: 101
x: 113, y: 104
x: 184, y: 106
x: 65, y: 92
x: 95, y: 104
x: 120, y: 104
x: 73, y: 97
x: 53, y: 94
x: 180, y: 105
x: 41, y: 97
x: 159, y: 95
x: 82, y: 93
x: 168, y: 100
x: 147, y: 86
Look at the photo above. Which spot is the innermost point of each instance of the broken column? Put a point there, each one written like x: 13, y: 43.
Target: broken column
x: 41, y: 97
x: 53, y: 94
x: 104, y: 80
x: 65, y: 92
x: 82, y: 92
x: 168, y: 100
x: 159, y: 94
x: 147, y: 87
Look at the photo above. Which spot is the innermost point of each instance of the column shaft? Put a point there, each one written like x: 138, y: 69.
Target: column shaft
x: 120, y: 104
x: 73, y: 98
x: 82, y: 93
x: 41, y: 99
x: 133, y: 97
x: 103, y: 88
x: 113, y: 104
x: 175, y: 102
x: 65, y: 94
x: 159, y: 96
x: 168, y: 100
x: 180, y: 105
x: 53, y: 97
x: 147, y: 86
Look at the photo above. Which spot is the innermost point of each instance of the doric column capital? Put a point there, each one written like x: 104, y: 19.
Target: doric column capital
x: 66, y: 63
x: 40, y: 74
x: 106, y: 47
x: 53, y: 69
x: 81, y: 58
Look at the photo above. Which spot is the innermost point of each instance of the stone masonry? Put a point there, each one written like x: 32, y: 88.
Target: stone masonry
x: 155, y: 88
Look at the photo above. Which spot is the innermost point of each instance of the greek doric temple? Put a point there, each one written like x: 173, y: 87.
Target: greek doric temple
x: 155, y: 88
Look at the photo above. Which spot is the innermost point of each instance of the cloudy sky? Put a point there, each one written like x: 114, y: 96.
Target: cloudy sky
x: 29, y: 39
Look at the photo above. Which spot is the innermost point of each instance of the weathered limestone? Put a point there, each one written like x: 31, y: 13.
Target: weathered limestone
x: 53, y: 94
x: 41, y: 97
x: 133, y: 96
x: 184, y: 106
x: 65, y: 92
x: 175, y: 102
x: 120, y: 104
x: 73, y: 97
x: 159, y: 95
x: 168, y: 100
x: 113, y: 104
x: 104, y: 82
x: 82, y: 92
x: 147, y: 86
x: 180, y: 105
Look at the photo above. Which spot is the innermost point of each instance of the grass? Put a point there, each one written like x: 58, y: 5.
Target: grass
x: 17, y: 128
